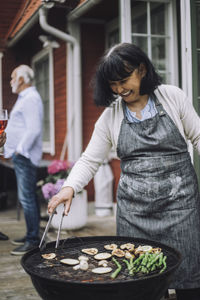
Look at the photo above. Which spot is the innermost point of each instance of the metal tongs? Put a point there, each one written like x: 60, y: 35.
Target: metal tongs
x: 41, y: 245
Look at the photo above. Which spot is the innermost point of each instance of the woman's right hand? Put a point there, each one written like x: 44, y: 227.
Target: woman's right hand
x: 2, y: 139
x: 64, y: 196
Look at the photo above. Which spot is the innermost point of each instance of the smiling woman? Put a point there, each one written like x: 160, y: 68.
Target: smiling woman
x: 148, y: 124
x: 124, y: 69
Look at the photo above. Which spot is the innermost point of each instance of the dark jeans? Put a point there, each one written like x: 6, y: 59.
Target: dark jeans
x: 188, y: 294
x: 26, y: 175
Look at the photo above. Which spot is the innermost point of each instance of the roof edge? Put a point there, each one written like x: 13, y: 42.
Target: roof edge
x: 81, y: 9
x: 29, y: 24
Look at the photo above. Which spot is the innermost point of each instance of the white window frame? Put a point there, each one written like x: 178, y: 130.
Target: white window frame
x: 126, y: 34
x: 48, y: 147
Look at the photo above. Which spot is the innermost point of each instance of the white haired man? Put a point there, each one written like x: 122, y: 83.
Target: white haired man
x: 24, y: 146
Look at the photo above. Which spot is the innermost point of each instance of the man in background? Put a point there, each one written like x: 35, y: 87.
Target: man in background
x: 24, y: 146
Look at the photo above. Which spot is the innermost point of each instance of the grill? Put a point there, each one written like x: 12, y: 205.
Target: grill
x: 54, y: 280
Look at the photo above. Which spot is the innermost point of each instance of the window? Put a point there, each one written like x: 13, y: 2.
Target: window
x: 153, y: 29
x: 150, y: 31
x: 43, y: 67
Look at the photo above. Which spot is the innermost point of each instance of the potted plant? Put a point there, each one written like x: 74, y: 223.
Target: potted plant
x: 58, y: 170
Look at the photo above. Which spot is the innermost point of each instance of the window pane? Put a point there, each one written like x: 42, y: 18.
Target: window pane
x: 139, y: 16
x: 159, y: 53
x: 198, y: 26
x: 140, y: 42
x: 157, y: 18
x: 41, y: 69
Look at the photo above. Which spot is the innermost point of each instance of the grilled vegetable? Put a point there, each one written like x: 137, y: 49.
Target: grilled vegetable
x: 102, y: 270
x: 128, y: 246
x: 119, y: 267
x: 103, y: 263
x: 84, y: 265
x: 90, y: 251
x: 49, y: 255
x: 82, y: 257
x: 69, y: 261
x: 110, y: 247
x: 118, y: 252
x: 102, y: 255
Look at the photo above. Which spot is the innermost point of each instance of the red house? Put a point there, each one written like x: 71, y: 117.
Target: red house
x: 63, y: 39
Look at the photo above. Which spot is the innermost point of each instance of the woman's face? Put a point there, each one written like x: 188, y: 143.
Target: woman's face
x: 129, y: 87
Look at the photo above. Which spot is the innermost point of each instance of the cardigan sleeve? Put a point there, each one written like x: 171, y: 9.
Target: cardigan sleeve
x: 190, y: 120
x: 97, y: 150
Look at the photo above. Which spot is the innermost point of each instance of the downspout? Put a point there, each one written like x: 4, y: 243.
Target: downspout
x: 1, y: 86
x: 75, y: 81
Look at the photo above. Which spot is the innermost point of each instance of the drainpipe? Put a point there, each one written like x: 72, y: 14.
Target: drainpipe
x: 1, y: 91
x: 75, y: 81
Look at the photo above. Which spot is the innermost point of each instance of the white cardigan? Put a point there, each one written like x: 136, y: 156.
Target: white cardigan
x: 107, y: 128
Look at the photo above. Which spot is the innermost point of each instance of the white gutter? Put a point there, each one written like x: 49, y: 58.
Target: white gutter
x: 186, y: 54
x: 81, y: 9
x: 1, y: 86
x: 75, y: 81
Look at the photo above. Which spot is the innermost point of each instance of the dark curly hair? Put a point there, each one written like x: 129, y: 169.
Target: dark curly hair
x: 118, y: 63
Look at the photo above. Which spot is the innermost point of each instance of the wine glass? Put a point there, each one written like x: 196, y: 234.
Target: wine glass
x: 3, y: 123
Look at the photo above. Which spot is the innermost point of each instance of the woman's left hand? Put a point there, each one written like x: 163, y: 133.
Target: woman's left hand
x: 2, y: 139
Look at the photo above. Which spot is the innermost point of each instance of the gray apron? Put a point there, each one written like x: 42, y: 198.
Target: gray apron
x: 157, y: 195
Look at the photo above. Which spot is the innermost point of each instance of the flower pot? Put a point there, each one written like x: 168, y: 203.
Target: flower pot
x: 77, y: 217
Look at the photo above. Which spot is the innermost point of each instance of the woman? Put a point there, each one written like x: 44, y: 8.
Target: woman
x: 148, y: 124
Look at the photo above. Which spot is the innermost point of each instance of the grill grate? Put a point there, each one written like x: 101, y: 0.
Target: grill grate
x: 71, y: 248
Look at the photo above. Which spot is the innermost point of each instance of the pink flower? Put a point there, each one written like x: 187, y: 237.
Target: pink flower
x: 48, y: 190
x: 57, y: 166
x: 58, y: 184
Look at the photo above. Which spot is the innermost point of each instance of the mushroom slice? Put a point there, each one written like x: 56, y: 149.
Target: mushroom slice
x: 102, y: 255
x: 82, y: 257
x: 102, y: 270
x: 156, y: 250
x: 128, y: 255
x: 128, y: 246
x: 70, y: 261
x: 49, y: 255
x: 110, y: 247
x: 90, y: 251
x: 143, y: 249
x: 84, y: 265
x: 103, y: 263
x: 118, y: 252
x: 76, y: 267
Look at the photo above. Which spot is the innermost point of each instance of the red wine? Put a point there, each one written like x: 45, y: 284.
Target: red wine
x: 3, y: 124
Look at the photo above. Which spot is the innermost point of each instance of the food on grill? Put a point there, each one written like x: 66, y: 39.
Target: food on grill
x: 103, y: 263
x: 128, y: 255
x: 84, y: 265
x: 110, y: 247
x: 102, y: 255
x: 90, y: 251
x: 143, y: 249
x: 128, y: 246
x: 141, y: 260
x: 156, y: 250
x: 146, y: 263
x: 82, y: 257
x: 49, y: 255
x: 76, y: 267
x: 118, y: 252
x: 119, y: 267
x: 69, y: 261
x: 102, y: 270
